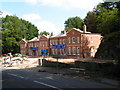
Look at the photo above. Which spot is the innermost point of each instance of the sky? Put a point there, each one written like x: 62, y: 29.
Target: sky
x: 47, y: 15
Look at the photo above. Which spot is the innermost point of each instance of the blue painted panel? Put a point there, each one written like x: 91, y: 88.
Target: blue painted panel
x: 44, y: 52
x: 33, y: 48
x: 60, y: 46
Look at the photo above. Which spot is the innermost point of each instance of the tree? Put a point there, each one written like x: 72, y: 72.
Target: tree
x: 74, y: 22
x: 13, y: 30
x: 108, y: 24
x: 91, y: 22
x: 110, y: 47
x: 44, y: 33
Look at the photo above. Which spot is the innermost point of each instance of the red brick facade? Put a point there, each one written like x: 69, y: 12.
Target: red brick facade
x: 77, y: 43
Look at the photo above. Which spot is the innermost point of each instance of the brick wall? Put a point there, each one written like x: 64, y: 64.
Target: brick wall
x: 78, y: 44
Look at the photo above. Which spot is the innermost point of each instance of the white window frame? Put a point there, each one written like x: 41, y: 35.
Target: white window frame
x: 53, y: 42
x: 53, y: 52
x: 78, y: 50
x: 78, y: 39
x: 50, y: 42
x: 74, y: 50
x: 60, y: 41
x: 69, y: 50
x: 73, y: 39
x: 46, y: 43
x: 69, y: 39
x: 63, y: 41
x: 60, y: 51
x: 56, y: 51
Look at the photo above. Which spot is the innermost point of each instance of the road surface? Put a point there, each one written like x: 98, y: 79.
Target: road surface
x: 18, y: 78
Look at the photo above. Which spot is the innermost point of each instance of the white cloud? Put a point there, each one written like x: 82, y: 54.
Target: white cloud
x: 32, y: 17
x: 4, y: 13
x: 47, y: 26
x: 67, y: 4
x: 42, y: 25
x: 33, y: 2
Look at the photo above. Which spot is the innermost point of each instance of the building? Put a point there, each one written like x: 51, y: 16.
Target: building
x: 72, y: 44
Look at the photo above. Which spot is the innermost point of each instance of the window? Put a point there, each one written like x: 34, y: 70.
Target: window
x: 60, y: 41
x: 74, y: 50
x: 60, y: 51
x: 69, y: 39
x: 53, y: 42
x: 50, y: 42
x: 34, y: 44
x: 78, y: 50
x: 42, y: 43
x: 69, y: 50
x: 78, y: 39
x: 53, y: 51
x: 73, y: 40
x: 64, y: 41
x: 92, y: 51
x: 56, y: 51
x: 64, y: 51
x: 40, y: 51
x: 56, y: 42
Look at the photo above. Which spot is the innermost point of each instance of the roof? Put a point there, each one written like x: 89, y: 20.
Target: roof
x: 46, y: 36
x: 24, y: 40
x: 34, y: 39
x: 80, y: 30
x: 59, y: 35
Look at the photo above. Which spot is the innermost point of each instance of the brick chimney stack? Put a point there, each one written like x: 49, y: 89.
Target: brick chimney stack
x: 39, y: 36
x: 84, y: 28
x: 63, y: 32
x: 52, y: 34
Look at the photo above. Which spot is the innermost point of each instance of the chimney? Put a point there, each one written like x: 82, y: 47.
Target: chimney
x: 38, y: 36
x: 51, y: 33
x: 63, y: 32
x: 84, y: 28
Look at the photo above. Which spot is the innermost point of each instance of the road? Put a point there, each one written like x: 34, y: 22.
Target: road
x: 18, y: 78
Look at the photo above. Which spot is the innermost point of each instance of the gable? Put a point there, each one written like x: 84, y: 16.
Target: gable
x: 43, y: 37
x: 23, y: 41
x: 74, y: 32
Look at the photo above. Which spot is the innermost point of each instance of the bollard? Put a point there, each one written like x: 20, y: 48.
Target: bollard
x: 39, y: 62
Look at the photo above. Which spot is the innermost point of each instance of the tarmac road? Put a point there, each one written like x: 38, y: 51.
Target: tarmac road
x: 12, y: 78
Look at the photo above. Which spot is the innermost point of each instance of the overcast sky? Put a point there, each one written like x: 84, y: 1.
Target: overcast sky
x: 48, y: 15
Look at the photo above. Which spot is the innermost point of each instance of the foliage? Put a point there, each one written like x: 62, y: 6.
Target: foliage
x: 73, y: 22
x: 108, y: 21
x: 105, y: 19
x: 13, y: 30
x: 44, y: 33
x: 90, y: 20
x: 110, y: 47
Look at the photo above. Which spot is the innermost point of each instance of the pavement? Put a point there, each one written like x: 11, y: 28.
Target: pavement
x: 32, y: 66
